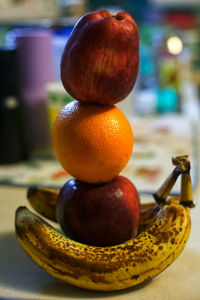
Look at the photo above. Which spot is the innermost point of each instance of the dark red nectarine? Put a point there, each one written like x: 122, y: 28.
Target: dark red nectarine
x: 100, y: 215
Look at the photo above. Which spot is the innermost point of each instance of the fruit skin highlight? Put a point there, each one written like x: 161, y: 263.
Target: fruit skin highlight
x: 92, y: 142
x: 100, y: 215
x: 101, y: 58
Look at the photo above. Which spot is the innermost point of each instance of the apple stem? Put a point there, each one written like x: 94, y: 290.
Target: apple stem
x: 117, y: 17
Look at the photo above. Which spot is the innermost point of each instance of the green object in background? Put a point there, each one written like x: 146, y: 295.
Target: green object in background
x: 57, y: 97
x: 3, y: 31
x: 168, y: 73
x: 66, y: 99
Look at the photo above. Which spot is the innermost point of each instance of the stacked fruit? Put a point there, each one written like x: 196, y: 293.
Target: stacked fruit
x: 92, y: 138
x: 93, y: 141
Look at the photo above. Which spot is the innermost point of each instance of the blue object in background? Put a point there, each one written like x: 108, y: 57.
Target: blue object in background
x: 63, y: 31
x: 60, y: 37
x: 167, y: 100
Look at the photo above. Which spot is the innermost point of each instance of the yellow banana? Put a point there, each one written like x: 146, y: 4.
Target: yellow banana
x: 148, y: 215
x: 43, y: 200
x: 164, y: 231
x: 105, y: 268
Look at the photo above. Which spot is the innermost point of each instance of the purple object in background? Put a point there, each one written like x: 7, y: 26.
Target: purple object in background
x: 35, y: 60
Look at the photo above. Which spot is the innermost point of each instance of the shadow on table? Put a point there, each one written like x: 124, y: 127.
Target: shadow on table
x: 22, y: 275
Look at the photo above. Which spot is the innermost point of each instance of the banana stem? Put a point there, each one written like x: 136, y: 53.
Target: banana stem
x: 163, y: 192
x: 186, y: 197
x: 182, y: 166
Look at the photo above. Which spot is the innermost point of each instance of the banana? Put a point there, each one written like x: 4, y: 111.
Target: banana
x: 186, y: 190
x: 148, y: 215
x: 105, y: 268
x: 164, y: 231
x: 43, y: 200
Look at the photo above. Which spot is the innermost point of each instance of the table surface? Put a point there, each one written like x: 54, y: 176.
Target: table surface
x: 20, y: 278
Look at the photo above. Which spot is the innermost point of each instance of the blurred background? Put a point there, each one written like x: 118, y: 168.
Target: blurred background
x: 163, y: 108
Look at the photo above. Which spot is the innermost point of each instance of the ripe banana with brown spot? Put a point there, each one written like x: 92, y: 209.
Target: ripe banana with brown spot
x: 43, y: 200
x: 105, y: 268
x: 158, y: 244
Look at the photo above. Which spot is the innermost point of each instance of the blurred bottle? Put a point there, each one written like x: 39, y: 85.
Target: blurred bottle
x: 35, y: 61
x: 12, y: 119
x: 60, y: 37
x: 144, y: 96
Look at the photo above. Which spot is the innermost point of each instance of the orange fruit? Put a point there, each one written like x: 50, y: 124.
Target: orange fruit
x: 92, y: 142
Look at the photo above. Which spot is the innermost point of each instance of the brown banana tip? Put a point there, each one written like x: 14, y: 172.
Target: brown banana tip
x: 189, y: 204
x: 31, y: 191
x: 182, y: 163
x: 20, y: 209
x: 159, y: 201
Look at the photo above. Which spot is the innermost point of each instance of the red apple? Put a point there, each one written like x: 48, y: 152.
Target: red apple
x: 100, y: 215
x: 101, y: 57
